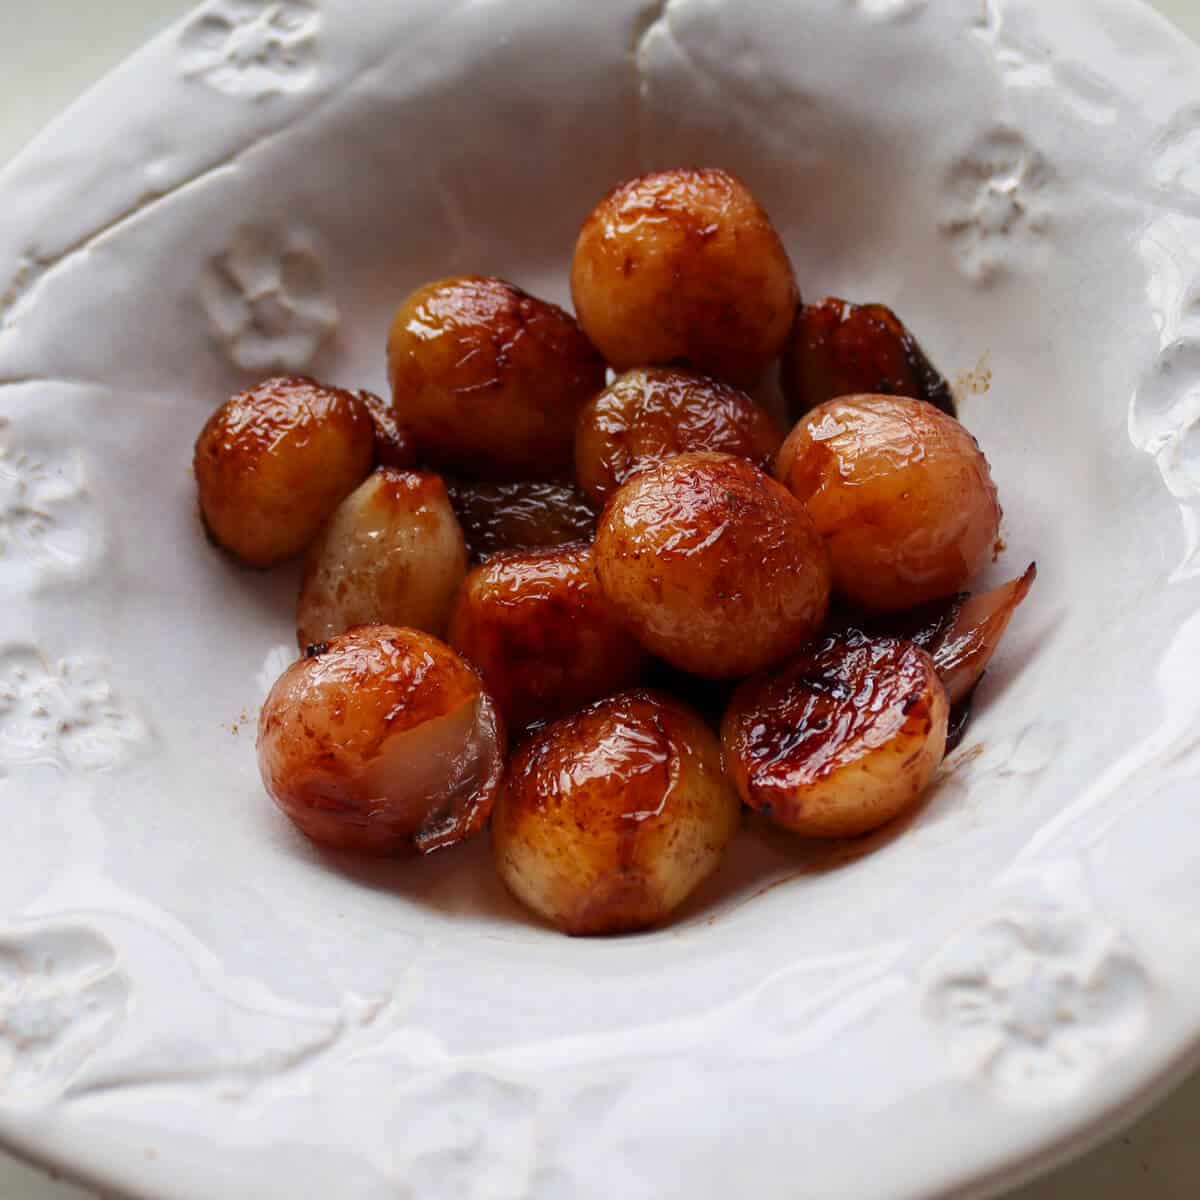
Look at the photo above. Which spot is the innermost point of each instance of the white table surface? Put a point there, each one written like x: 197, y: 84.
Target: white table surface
x: 50, y: 51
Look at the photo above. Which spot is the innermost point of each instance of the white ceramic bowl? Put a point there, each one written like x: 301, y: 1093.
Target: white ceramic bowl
x: 195, y: 1003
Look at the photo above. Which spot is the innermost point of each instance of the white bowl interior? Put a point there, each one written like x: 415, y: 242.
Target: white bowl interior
x: 996, y: 196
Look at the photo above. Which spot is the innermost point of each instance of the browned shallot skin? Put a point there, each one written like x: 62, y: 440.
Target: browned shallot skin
x: 489, y: 380
x: 543, y: 634
x: 653, y: 413
x: 713, y: 565
x: 382, y: 740
x: 273, y: 462
x: 841, y: 739
x: 962, y: 634
x: 611, y: 817
x: 902, y: 495
x: 684, y: 266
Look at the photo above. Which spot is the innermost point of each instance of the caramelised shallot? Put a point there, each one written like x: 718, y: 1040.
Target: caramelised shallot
x: 611, y: 817
x: 273, y: 462
x: 382, y: 739
x: 392, y: 554
x: 901, y: 493
x: 543, y: 634
x: 684, y: 266
x: 654, y: 538
x: 655, y: 413
x: 488, y: 379
x: 841, y: 349
x: 713, y: 565
x: 840, y: 740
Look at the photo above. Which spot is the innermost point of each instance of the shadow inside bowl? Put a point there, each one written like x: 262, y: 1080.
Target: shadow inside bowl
x: 765, y: 857
x: 458, y: 882
x: 463, y: 882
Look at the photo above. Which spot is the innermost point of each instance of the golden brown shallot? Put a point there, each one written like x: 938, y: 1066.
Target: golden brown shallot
x: 684, y: 266
x: 272, y: 463
x: 489, y: 380
x: 611, y: 817
x: 382, y: 739
x: 713, y: 565
x: 653, y: 413
x: 901, y: 493
x: 543, y: 634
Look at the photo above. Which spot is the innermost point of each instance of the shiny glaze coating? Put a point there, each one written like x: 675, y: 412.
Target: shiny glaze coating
x: 542, y: 633
x: 392, y: 554
x: 610, y: 817
x: 842, y: 349
x: 901, y: 493
x: 382, y: 739
x: 840, y: 740
x: 684, y: 266
x: 521, y: 514
x: 652, y: 413
x: 713, y: 565
x: 273, y: 462
x: 489, y: 380
x: 394, y: 445
x: 963, y: 633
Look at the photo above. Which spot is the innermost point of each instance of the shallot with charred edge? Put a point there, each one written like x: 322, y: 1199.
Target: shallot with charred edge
x: 841, y: 349
x: 840, y: 740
